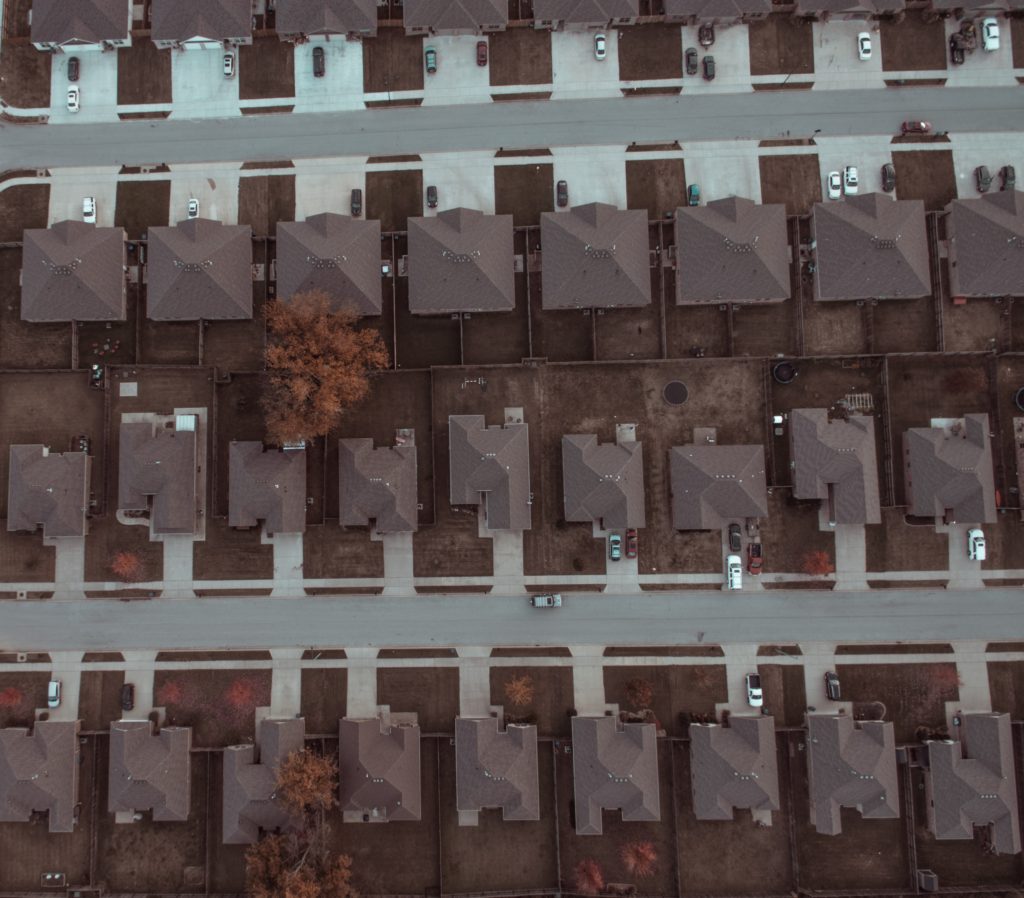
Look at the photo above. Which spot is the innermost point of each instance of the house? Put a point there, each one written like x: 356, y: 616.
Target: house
x: 158, y: 474
x: 985, y: 239
x: 73, y: 271
x: 267, y: 485
x: 732, y: 250
x: 249, y: 799
x: 495, y: 768
x: 734, y: 767
x: 378, y: 485
x: 870, y: 246
x: 823, y: 10
x: 614, y: 767
x: 833, y: 459
x: 380, y: 769
x: 39, y: 773
x: 850, y: 765
x: 199, y: 269
x: 149, y: 771
x: 603, y: 482
x: 713, y: 485
x: 716, y: 11
x: 948, y: 470
x: 333, y: 254
x: 299, y: 20
x: 973, y: 783
x: 75, y: 26
x: 595, y: 257
x: 454, y: 16
x: 48, y: 490
x: 577, y: 14
x: 461, y: 261
x: 201, y: 24
x: 490, y: 466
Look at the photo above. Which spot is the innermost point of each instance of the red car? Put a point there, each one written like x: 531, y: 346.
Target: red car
x: 481, y: 52
x: 755, y: 558
x: 916, y: 127
x: 631, y: 543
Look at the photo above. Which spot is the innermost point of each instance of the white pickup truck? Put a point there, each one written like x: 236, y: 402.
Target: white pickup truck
x: 548, y: 600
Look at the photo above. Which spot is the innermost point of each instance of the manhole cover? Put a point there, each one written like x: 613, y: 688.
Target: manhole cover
x: 785, y: 372
x: 675, y: 392
x: 1018, y: 399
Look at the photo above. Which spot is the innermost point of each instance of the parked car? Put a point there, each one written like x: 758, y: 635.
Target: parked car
x: 982, y: 178
x: 975, y: 545
x: 755, y: 558
x: 82, y: 443
x: 430, y: 60
x: 74, y: 98
x: 835, y: 185
x: 127, y: 696
x: 53, y: 694
x: 755, y: 696
x: 431, y: 197
x: 956, y: 48
x: 735, y: 538
x: 692, y: 61
x: 96, y: 375
x: 615, y: 547
x: 229, y: 65
x: 1008, y: 178
x: 600, y: 47
x: 74, y: 67
x: 916, y: 128
x: 706, y: 34
x: 631, y: 541
x: 193, y: 207
x: 733, y: 572
x: 548, y: 600
x: 864, y: 46
x: 832, y: 686
x: 562, y: 193
x: 990, y: 34
x: 481, y: 53
x: 89, y: 209
x: 356, y: 204
x: 850, y: 180
x: 319, y: 63
x: 709, y: 68
x: 693, y: 195
x: 888, y: 177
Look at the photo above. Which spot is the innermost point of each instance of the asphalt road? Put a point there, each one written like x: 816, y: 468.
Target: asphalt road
x: 655, y: 618
x: 601, y: 122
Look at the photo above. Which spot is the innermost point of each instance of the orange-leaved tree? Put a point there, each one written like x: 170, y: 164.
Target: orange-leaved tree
x: 127, y: 566
x: 817, y: 564
x: 307, y: 782
x: 639, y: 858
x: 318, y: 363
x: 639, y: 693
x: 519, y: 690
x: 589, y: 877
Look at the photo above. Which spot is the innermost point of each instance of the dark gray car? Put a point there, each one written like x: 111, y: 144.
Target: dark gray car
x: 709, y: 68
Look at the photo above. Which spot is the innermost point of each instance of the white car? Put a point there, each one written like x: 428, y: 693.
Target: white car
x: 975, y: 545
x: 229, y: 65
x: 600, y: 47
x: 835, y: 185
x: 863, y: 46
x: 89, y: 209
x: 74, y: 98
x: 733, y: 572
x: 193, y: 207
x: 850, y: 181
x: 548, y: 600
x: 990, y: 34
x: 755, y: 697
x: 53, y: 694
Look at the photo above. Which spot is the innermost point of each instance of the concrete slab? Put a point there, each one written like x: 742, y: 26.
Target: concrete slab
x: 341, y: 86
x: 362, y: 683
x: 462, y: 179
x: 868, y: 154
x: 139, y: 670
x: 963, y: 573
x: 972, y: 670
x: 199, y: 87
x: 327, y: 185
x: 398, y: 564
x: 594, y: 175
x: 739, y: 661
x: 982, y: 67
x: 69, y: 576
x: 287, y: 562
x: 724, y: 168
x: 851, y: 556
x: 68, y: 186
x: 574, y: 70
x: 731, y: 51
x: 286, y: 682
x: 177, y: 566
x: 67, y: 669
x: 97, y: 85
x: 215, y: 188
x: 990, y: 150
x: 588, y: 687
x: 474, y: 686
x: 458, y: 78
x: 836, y: 63
x: 508, y: 561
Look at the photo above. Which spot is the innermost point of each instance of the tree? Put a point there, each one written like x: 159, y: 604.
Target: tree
x: 306, y: 781
x: 318, y: 363
x: 589, y: 877
x: 127, y: 566
x: 817, y: 564
x: 519, y: 690
x: 639, y: 693
x: 639, y: 858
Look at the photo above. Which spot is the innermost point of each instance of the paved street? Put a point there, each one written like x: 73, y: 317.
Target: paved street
x: 598, y: 122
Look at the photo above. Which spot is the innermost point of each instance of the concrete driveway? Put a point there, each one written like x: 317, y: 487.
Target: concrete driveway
x: 594, y: 174
x: 326, y: 186
x: 462, y: 179
x: 199, y: 87
x: 69, y: 186
x: 341, y: 86
x: 574, y: 70
x: 97, y: 84
x: 458, y: 78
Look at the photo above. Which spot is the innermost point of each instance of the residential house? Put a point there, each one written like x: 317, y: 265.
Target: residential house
x: 454, y: 16
x: 158, y: 475
x: 201, y: 24
x: 716, y: 11
x: 379, y: 484
x: 734, y: 767
x: 149, y: 771
x: 577, y: 14
x: 299, y: 20
x: 490, y: 466
x: 985, y: 240
x: 267, y: 485
x: 823, y: 10
x: 39, y: 773
x: 75, y: 26
x: 49, y: 490
x: 495, y: 768
x: 603, y: 481
x: 380, y: 769
x: 713, y: 485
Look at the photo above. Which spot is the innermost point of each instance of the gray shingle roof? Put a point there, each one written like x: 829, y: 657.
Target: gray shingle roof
x: 199, y: 269
x: 986, y: 245
x: 950, y: 473
x: 495, y: 769
x: 717, y: 9
x: 48, y: 490
x: 333, y: 253
x: 850, y: 766
x: 614, y: 767
x: 181, y: 20
x: 713, y: 485
x: 871, y: 246
x: 39, y: 772
x: 455, y: 15
x: 603, y: 482
x: 850, y: 7
x: 733, y: 767
x: 595, y: 256
x: 461, y: 261
x: 326, y: 17
x: 977, y: 790
x: 267, y: 485
x: 73, y: 271
x: 379, y: 485
x: 80, y: 21
x: 248, y: 798
x: 158, y: 464
x: 491, y: 465
x: 731, y: 250
x: 380, y: 770
x: 585, y: 12
x: 836, y: 458
x: 150, y: 772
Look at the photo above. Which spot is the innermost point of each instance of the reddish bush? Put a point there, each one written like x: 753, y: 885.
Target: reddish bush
x: 171, y: 692
x: 589, y: 877
x: 11, y: 697
x: 241, y: 694
x: 817, y: 564
x: 519, y: 690
x: 127, y: 566
x: 639, y: 858
x: 639, y: 693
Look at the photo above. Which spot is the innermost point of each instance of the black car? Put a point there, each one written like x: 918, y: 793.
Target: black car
x: 357, y: 202
x: 692, y: 63
x: 956, y: 49
x: 73, y: 67
x: 706, y: 35
x: 735, y: 538
x: 1008, y: 177
x: 319, y: 65
x: 832, y: 686
x: 888, y: 177
x: 127, y: 696
x: 562, y: 193
x: 431, y: 197
x: 982, y: 178
x: 709, y: 68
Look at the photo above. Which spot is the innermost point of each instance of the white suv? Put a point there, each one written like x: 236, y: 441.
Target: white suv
x: 74, y: 98
x: 975, y: 545
x: 89, y: 209
x: 990, y: 34
x: 733, y: 572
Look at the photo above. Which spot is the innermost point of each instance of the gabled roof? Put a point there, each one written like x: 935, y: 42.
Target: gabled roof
x: 850, y: 766
x: 326, y: 17
x: 461, y: 261
x: 614, y: 767
x: 986, y: 245
x: 731, y: 250
x: 949, y: 471
x: 267, y: 485
x: 836, y: 458
x: 585, y: 12
x: 491, y: 465
x: 713, y: 485
x: 150, y: 772
x: 973, y: 783
x: 871, y: 246
x: 379, y: 485
x: 595, y: 256
x: 80, y: 21
x: 851, y: 7
x: 48, y: 490
x: 39, y: 772
x: 717, y: 9
x: 733, y: 767
x: 200, y: 269
x: 332, y: 253
x: 455, y: 15
x: 73, y: 271
x: 182, y: 20
x: 380, y: 770
x: 159, y: 464
x: 249, y: 802
x: 603, y: 482
x: 495, y: 769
